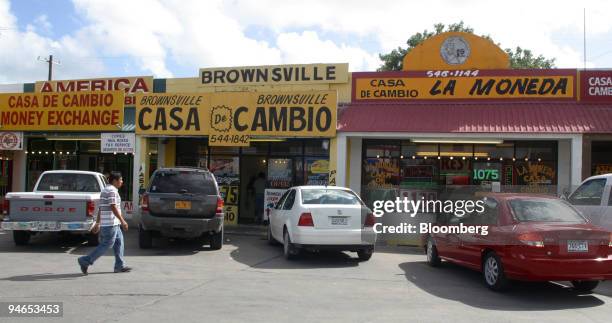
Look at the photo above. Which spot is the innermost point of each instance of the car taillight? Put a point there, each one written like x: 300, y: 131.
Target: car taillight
x: 144, y: 204
x: 532, y: 240
x: 610, y: 241
x: 6, y: 205
x: 91, y: 208
x: 370, y: 220
x: 305, y: 220
x: 219, y: 211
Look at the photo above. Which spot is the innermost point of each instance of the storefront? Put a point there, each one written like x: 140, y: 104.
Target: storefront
x: 76, y: 125
x: 280, y: 124
x: 457, y: 117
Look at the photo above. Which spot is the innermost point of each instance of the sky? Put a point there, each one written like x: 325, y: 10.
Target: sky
x: 175, y: 38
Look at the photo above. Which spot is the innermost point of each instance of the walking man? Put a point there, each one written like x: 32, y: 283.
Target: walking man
x: 109, y: 223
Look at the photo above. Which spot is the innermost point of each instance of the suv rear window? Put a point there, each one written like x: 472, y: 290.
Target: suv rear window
x: 65, y: 182
x: 183, y: 182
x: 329, y: 196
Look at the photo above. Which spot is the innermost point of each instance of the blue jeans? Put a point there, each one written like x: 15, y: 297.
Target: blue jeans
x: 110, y: 236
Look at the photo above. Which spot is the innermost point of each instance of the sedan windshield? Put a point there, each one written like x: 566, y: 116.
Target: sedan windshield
x: 544, y: 210
x: 329, y: 196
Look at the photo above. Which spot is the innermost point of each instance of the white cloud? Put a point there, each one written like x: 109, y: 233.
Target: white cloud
x: 20, y: 49
x: 151, y: 37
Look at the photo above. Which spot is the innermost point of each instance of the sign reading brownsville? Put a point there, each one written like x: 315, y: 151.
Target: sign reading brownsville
x: 464, y: 84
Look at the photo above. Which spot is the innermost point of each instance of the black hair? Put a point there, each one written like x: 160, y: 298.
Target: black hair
x: 113, y: 176
x: 261, y: 175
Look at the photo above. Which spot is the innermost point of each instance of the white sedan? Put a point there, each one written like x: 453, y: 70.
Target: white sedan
x: 322, y: 217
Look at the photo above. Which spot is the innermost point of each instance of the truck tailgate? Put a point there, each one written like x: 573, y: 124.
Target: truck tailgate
x: 64, y: 210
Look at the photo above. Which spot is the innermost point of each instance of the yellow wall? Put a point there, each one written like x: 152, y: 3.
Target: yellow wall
x: 193, y: 84
x: 170, y: 158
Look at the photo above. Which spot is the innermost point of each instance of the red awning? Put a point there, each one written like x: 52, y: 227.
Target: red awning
x: 475, y: 117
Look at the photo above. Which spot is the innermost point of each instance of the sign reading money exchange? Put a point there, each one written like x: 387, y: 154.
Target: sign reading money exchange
x: 231, y: 118
x: 68, y: 111
x: 465, y: 84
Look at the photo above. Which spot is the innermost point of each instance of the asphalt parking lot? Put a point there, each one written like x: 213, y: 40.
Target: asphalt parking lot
x: 248, y: 280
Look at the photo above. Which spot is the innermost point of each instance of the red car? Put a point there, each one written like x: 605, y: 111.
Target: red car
x: 530, y: 238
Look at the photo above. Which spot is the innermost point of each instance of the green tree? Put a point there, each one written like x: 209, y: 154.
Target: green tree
x: 519, y: 58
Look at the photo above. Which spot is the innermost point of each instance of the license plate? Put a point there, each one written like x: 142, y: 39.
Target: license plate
x: 577, y: 246
x: 339, y: 220
x: 47, y: 226
x: 74, y: 226
x: 182, y: 205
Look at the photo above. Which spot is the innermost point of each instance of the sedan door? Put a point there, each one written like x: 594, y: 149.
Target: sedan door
x: 276, y: 218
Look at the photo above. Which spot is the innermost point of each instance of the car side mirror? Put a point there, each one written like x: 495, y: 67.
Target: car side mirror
x: 565, y: 194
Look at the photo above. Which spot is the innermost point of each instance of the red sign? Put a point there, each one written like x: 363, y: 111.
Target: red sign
x: 596, y: 85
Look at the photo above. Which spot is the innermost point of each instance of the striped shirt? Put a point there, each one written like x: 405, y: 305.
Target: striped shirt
x: 109, y: 196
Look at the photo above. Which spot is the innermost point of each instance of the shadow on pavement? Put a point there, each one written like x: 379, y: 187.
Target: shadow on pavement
x: 50, y: 277
x: 463, y: 285
x: 258, y: 254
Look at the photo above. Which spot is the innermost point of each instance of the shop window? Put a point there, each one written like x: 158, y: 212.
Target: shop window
x: 260, y: 148
x: 426, y: 150
x: 87, y: 146
x: 381, y: 172
x: 43, y: 145
x: 317, y: 147
x: 535, y: 173
x: 542, y: 150
x: 286, y: 148
x: 601, y: 157
x: 382, y: 148
x: 419, y: 173
x: 191, y: 152
x: 215, y: 150
x: 505, y: 151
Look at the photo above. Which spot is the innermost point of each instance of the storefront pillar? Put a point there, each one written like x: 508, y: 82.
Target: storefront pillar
x: 564, y: 166
x: 576, y: 164
x: 161, y: 152
x: 341, y: 160
x: 354, y: 172
x: 138, y: 180
x: 19, y: 170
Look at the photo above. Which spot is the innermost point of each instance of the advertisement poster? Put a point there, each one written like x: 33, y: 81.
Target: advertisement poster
x: 317, y: 171
x: 280, y: 173
x: 11, y: 140
x: 117, y: 143
x: 226, y: 170
x: 271, y: 197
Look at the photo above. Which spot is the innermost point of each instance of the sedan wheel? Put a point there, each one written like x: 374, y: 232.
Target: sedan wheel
x: 493, y: 272
x: 432, y: 253
x: 585, y: 286
x: 289, y: 250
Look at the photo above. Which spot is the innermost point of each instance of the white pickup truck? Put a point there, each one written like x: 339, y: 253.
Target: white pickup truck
x: 593, y: 198
x: 62, y: 200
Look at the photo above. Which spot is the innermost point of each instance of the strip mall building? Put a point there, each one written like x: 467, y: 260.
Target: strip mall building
x: 455, y: 116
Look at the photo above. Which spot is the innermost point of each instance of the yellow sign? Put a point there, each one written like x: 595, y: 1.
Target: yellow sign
x: 287, y: 114
x: 172, y: 114
x: 456, y: 50
x: 69, y: 111
x: 231, y: 214
x: 130, y: 85
x: 463, y: 85
x: 230, y: 195
x: 275, y: 74
x: 229, y: 140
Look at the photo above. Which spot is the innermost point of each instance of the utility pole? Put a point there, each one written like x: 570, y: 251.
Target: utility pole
x: 584, y: 35
x: 51, y: 62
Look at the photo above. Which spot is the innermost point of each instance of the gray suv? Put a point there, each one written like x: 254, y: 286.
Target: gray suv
x: 181, y: 203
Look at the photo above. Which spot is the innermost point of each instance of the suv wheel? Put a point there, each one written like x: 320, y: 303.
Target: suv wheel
x: 92, y: 239
x: 216, y: 240
x: 493, y: 272
x: 145, y: 238
x: 585, y: 286
x: 21, y: 238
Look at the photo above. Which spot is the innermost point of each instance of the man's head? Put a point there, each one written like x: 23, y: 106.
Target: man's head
x: 115, y: 179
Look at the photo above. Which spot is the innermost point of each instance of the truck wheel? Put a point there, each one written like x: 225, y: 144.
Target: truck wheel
x: 216, y: 240
x: 21, y: 238
x: 145, y: 238
x: 365, y: 254
x: 92, y: 239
